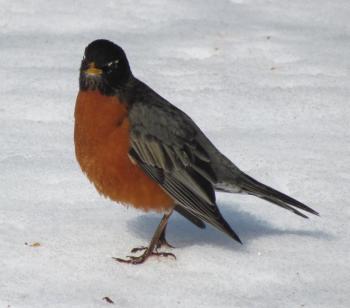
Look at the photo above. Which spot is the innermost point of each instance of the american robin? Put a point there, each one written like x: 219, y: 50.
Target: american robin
x: 140, y: 150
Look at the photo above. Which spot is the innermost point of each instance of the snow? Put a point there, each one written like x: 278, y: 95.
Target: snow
x: 267, y: 81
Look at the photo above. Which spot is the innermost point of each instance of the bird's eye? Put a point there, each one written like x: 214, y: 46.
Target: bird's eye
x: 112, y: 64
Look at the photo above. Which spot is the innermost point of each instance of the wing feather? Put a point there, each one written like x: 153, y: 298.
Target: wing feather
x: 182, y: 169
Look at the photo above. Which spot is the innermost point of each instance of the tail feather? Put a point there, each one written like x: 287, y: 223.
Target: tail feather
x: 285, y: 206
x: 253, y: 187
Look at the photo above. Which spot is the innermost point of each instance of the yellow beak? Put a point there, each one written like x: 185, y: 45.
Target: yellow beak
x: 92, y: 70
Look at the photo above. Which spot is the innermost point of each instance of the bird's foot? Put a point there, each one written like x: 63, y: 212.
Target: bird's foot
x: 162, y: 242
x: 158, y: 240
x: 144, y: 256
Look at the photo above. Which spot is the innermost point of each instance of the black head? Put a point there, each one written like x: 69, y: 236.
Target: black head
x: 104, y: 68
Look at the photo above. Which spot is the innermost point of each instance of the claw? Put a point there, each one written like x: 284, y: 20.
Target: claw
x: 164, y: 254
x: 121, y: 260
x: 132, y: 259
x: 144, y: 257
x: 136, y: 249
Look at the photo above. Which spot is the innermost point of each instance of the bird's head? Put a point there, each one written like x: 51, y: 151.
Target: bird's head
x: 104, y: 67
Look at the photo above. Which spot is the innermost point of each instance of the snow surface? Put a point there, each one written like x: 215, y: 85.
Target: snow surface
x: 268, y: 81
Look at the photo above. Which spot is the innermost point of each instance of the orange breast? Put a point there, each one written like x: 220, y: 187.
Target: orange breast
x: 101, y: 137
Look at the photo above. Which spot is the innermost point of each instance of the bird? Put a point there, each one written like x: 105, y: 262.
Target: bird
x: 140, y: 150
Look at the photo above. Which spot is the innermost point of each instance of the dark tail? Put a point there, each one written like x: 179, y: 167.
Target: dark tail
x: 253, y: 187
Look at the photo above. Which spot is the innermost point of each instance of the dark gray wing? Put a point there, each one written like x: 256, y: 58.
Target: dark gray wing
x: 163, y: 143
x: 195, y: 220
x: 171, y: 149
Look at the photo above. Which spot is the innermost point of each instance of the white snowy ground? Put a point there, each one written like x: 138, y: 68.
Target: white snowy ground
x: 268, y: 81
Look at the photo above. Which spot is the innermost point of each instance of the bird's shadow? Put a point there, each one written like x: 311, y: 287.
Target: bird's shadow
x: 182, y: 233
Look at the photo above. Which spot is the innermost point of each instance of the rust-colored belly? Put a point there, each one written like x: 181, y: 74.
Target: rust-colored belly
x: 101, y: 137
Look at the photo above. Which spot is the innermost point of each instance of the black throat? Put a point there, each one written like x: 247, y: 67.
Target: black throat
x: 95, y: 83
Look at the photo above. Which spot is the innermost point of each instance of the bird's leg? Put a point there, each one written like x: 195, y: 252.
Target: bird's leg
x: 161, y: 242
x: 151, y: 250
